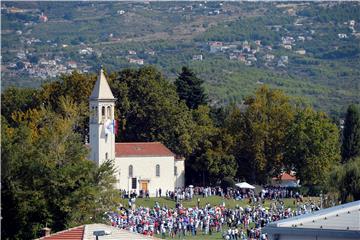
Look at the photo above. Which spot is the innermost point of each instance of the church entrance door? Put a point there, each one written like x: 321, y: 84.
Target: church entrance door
x: 144, y: 186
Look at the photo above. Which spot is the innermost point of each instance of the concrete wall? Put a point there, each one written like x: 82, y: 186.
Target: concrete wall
x: 144, y: 169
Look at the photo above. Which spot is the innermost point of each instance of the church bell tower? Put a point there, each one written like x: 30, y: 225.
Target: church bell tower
x: 101, y: 122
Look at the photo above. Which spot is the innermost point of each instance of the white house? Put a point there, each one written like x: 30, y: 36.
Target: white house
x: 137, y: 61
x: 147, y: 166
x: 197, y: 57
x: 215, y: 46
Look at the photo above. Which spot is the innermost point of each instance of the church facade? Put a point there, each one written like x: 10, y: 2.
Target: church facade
x: 146, y: 166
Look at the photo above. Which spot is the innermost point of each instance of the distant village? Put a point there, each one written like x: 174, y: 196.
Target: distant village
x: 248, y: 52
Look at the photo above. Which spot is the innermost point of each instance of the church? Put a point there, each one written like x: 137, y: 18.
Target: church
x: 146, y: 166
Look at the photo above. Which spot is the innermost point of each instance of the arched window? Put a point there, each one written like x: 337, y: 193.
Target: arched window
x: 103, y: 113
x: 175, y: 171
x: 131, y: 171
x: 106, y: 156
x: 157, y: 170
x: 109, y: 112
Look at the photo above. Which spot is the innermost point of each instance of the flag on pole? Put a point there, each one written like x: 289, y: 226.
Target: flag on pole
x: 109, y: 127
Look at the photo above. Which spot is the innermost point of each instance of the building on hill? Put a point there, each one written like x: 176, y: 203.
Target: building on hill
x: 340, y: 223
x: 43, y: 18
x: 136, y: 61
x: 140, y: 166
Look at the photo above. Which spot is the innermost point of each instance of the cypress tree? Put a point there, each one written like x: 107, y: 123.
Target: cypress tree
x: 189, y: 87
x: 351, y: 134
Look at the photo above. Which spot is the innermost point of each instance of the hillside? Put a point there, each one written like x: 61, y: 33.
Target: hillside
x: 310, y: 50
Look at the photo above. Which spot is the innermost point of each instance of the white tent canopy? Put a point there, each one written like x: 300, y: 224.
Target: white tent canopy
x: 244, y: 185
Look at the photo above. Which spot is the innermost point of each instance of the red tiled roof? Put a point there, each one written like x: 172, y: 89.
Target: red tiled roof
x: 76, y: 233
x: 142, y: 149
x: 285, y: 177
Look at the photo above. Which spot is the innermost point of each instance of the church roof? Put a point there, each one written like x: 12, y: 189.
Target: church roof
x: 101, y: 89
x: 142, y: 149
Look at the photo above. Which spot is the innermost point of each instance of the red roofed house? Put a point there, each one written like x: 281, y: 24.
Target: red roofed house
x: 147, y: 166
x: 43, y: 17
x: 286, y: 180
x: 76, y: 233
x: 88, y: 231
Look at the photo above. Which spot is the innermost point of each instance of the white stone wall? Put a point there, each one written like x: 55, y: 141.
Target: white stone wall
x: 144, y: 168
x: 180, y: 177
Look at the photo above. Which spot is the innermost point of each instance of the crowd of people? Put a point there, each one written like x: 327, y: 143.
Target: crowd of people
x: 238, y: 223
x: 271, y: 193
x: 187, y: 193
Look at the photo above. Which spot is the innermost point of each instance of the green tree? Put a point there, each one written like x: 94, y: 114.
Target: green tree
x: 150, y: 110
x: 259, y: 130
x: 75, y: 86
x: 199, y: 162
x: 18, y: 99
x: 312, y: 146
x: 213, y: 161
x: 345, y: 179
x: 190, y: 89
x: 46, y: 177
x: 351, y: 135
x: 228, y: 182
x: 239, y: 127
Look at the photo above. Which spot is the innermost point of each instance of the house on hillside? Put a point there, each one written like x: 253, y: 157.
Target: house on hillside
x: 215, y: 46
x: 342, y: 35
x: 43, y: 18
x: 197, y: 57
x: 301, y: 51
x: 72, y: 64
x: 136, y: 61
x: 269, y: 57
x: 287, y: 46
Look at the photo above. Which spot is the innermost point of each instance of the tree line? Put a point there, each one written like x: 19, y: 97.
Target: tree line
x: 47, y: 179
